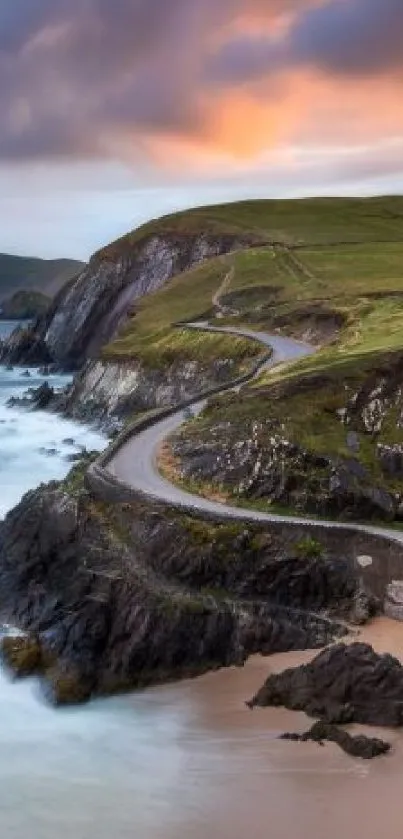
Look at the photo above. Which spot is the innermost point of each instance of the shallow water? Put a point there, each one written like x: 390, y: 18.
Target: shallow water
x: 33, y: 444
x: 188, y: 760
x: 185, y: 761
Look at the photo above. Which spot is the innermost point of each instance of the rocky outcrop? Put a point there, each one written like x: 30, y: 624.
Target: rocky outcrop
x: 343, y: 684
x: 105, y: 390
x: 359, y: 746
x: 91, y: 309
x: 26, y: 345
x: 126, y: 595
x: 263, y: 464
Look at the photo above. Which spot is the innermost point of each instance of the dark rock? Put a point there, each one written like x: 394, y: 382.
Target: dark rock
x: 393, y: 601
x: 391, y: 459
x: 42, y: 396
x: 121, y: 602
x: 343, y: 684
x: 26, y: 374
x: 359, y: 746
x: 38, y: 398
x: 20, y: 401
x: 264, y: 465
x: 69, y: 441
x: 75, y: 457
x: 51, y: 452
x: 24, y: 346
x: 365, y: 606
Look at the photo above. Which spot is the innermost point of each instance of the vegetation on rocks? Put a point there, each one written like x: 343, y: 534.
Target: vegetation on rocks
x: 124, y: 595
x: 296, y: 222
x: 322, y: 435
x: 154, y: 338
x: 22, y: 654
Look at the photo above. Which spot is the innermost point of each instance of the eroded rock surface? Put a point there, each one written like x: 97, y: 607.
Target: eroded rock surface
x: 343, y: 684
x: 91, y: 309
x: 131, y: 594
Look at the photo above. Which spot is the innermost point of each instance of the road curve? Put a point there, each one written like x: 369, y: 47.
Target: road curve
x: 135, y: 462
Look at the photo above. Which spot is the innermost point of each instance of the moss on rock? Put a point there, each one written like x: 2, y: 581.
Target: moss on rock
x: 22, y: 654
x: 66, y: 686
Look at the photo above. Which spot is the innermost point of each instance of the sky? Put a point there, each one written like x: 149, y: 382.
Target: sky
x: 117, y: 111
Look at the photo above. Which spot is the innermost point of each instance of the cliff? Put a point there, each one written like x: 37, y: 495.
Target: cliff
x: 124, y: 595
x: 91, y: 310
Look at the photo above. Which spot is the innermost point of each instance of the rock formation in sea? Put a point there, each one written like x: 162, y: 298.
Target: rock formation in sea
x: 356, y: 746
x: 343, y: 684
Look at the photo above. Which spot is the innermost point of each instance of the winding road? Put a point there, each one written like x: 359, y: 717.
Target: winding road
x: 135, y: 462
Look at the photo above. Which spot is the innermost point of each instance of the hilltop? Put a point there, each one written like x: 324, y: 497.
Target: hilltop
x: 92, y: 311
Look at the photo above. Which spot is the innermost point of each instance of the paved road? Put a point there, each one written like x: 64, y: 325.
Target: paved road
x: 135, y: 463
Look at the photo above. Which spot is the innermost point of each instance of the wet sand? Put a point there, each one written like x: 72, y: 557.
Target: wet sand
x: 190, y: 761
x: 255, y: 785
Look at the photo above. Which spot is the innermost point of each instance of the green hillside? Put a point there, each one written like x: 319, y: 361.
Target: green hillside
x: 25, y: 273
x: 293, y: 222
x: 328, y: 271
x: 340, y: 276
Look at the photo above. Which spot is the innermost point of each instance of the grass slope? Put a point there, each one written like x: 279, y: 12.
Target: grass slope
x: 151, y: 337
x: 30, y: 274
x: 292, y: 222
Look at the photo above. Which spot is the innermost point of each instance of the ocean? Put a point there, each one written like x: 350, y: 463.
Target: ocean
x: 33, y: 444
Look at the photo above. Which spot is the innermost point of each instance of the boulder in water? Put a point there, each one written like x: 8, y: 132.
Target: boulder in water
x: 42, y: 396
x: 343, y: 684
x: 360, y: 746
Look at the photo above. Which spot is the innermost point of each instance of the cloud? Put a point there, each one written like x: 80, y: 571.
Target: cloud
x: 130, y: 78
x: 342, y: 37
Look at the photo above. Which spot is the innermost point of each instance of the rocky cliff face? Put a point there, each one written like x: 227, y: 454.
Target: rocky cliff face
x: 125, y: 595
x: 108, y: 390
x: 89, y: 312
x: 316, y: 444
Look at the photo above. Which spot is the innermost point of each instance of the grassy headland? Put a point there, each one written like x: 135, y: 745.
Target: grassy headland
x: 329, y: 271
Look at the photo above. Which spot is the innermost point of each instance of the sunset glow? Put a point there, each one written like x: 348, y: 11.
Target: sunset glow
x: 181, y: 90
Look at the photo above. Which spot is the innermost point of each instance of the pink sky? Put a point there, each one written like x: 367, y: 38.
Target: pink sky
x: 115, y: 112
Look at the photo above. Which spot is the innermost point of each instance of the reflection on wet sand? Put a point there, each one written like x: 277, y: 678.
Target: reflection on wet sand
x: 190, y: 761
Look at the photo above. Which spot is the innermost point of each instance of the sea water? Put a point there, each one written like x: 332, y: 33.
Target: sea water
x: 35, y: 446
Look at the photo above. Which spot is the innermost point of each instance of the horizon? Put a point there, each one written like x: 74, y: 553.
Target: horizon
x: 266, y: 98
